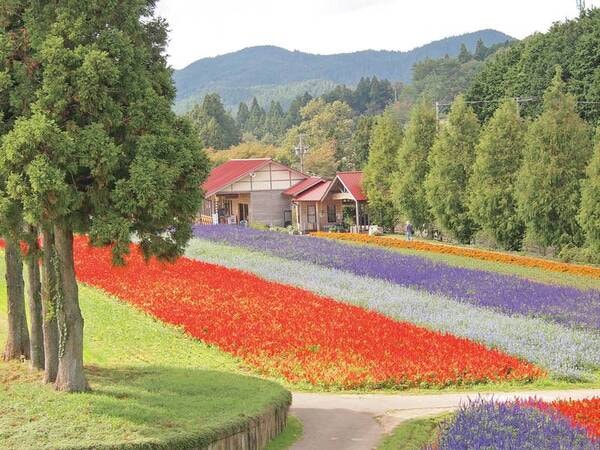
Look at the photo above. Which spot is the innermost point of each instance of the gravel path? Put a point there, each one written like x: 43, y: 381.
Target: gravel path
x: 357, y: 422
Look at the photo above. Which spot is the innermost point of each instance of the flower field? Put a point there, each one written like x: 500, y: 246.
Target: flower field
x: 560, y: 304
x: 564, y: 351
x: 288, y: 332
x: 524, y: 424
x: 486, y: 255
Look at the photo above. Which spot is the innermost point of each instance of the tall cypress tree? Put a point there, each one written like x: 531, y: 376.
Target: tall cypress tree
x: 242, y: 116
x: 19, y: 75
x: 451, y: 165
x: 589, y: 214
x: 558, y: 147
x: 492, y: 200
x: 409, y: 181
x: 378, y: 173
x: 103, y: 154
x: 256, y: 120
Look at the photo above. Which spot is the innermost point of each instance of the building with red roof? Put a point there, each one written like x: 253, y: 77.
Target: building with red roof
x: 250, y: 190
x: 266, y: 192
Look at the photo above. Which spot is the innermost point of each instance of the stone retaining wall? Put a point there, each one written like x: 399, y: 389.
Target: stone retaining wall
x: 257, y: 433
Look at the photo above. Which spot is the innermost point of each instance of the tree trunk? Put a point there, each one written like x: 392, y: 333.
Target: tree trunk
x: 35, y: 309
x: 70, y: 376
x: 49, y: 325
x: 17, y: 345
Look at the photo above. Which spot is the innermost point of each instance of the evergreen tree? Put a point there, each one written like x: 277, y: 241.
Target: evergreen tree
x: 256, y: 119
x: 241, y: 118
x: 275, y: 121
x: 18, y: 81
x: 481, y: 51
x: 412, y: 166
x: 378, y: 173
x: 464, y: 55
x: 589, y: 214
x: 217, y: 129
x: 450, y: 167
x: 103, y: 153
x: 492, y: 200
x: 557, y: 150
x: 361, y: 139
x: 293, y: 116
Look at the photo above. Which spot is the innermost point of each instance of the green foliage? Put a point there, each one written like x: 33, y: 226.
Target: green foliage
x: 451, y: 165
x: 321, y: 161
x: 256, y: 119
x: 293, y: 116
x: 370, y: 97
x: 217, y: 129
x: 324, y: 125
x: 527, y: 68
x: 103, y: 150
x: 557, y: 150
x: 412, y: 167
x: 361, y: 139
x: 380, y: 169
x: 589, y: 214
x: 492, y: 200
x: 242, y: 116
x: 275, y: 122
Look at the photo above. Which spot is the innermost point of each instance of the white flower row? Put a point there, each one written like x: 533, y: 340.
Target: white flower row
x: 565, y: 352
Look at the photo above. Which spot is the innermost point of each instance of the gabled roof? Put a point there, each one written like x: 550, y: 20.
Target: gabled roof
x: 303, y: 186
x: 229, y: 172
x: 353, y: 183
x: 314, y: 194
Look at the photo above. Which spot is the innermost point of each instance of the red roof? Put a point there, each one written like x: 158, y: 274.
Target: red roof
x: 314, y: 194
x: 229, y: 172
x: 353, y: 182
x: 303, y: 186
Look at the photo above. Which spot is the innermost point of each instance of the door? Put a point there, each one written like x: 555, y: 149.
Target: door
x: 243, y: 211
x: 311, y: 213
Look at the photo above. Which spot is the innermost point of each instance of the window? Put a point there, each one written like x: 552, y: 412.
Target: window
x: 331, y: 214
x: 311, y: 211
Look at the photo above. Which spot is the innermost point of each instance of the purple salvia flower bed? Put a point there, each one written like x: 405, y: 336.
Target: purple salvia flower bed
x: 509, y: 426
x: 505, y: 293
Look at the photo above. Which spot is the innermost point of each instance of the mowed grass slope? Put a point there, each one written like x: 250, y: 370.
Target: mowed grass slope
x: 153, y: 387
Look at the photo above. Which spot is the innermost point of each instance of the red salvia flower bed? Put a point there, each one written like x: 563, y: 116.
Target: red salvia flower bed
x: 285, y: 331
x: 584, y: 413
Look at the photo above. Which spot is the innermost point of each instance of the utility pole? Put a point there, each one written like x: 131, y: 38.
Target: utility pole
x: 517, y: 100
x: 437, y: 115
x: 301, y: 149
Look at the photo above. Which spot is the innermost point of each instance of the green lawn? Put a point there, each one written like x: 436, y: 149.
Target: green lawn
x: 151, y: 385
x: 413, y: 434
x: 291, y: 434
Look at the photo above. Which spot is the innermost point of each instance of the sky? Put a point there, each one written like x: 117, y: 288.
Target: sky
x: 204, y: 28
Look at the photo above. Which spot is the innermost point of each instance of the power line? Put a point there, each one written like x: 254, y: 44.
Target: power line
x: 518, y: 100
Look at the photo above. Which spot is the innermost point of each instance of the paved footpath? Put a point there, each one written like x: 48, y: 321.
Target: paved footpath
x: 358, y: 421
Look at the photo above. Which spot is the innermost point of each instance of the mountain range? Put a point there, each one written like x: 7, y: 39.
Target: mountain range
x: 273, y: 73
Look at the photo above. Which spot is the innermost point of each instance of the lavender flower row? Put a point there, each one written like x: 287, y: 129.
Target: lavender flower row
x: 507, y: 426
x: 506, y: 293
x: 564, y: 351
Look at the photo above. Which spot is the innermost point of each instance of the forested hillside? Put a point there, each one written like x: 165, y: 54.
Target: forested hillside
x: 272, y: 73
x: 526, y: 69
